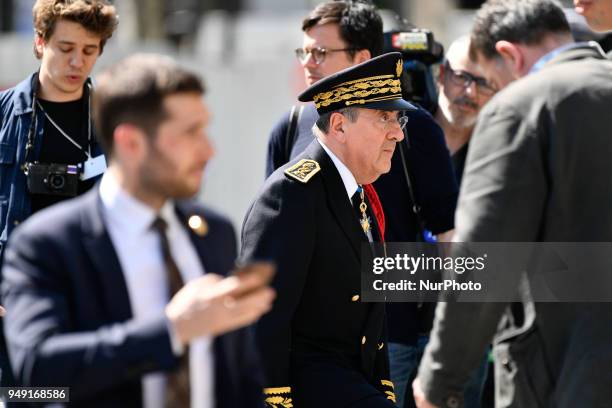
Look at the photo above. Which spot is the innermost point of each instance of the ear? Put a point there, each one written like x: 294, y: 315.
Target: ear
x: 39, y: 45
x: 129, y: 142
x: 512, y: 56
x: 362, y: 56
x: 336, y: 127
x: 441, y: 74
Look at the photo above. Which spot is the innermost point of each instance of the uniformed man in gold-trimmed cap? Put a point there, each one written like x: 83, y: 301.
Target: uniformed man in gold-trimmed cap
x: 321, y: 346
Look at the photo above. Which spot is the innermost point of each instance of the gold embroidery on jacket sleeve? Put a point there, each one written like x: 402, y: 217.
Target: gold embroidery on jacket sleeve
x: 276, y: 399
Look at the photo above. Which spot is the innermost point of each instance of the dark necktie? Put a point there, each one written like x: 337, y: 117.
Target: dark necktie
x: 177, y: 391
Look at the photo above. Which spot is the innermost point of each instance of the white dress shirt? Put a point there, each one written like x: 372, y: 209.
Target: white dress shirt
x: 350, y: 184
x: 138, y: 248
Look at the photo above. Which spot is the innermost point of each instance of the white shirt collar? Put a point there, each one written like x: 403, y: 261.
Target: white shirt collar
x: 350, y: 184
x: 127, y: 212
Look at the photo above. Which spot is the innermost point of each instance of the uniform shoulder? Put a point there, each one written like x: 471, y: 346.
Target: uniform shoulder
x: 303, y: 170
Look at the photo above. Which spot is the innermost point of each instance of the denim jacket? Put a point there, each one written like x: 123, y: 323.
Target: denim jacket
x: 15, y: 120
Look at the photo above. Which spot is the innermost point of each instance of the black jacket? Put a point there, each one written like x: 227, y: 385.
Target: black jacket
x: 321, y: 346
x: 69, y: 321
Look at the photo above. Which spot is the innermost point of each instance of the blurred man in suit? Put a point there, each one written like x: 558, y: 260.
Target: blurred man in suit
x: 95, y: 286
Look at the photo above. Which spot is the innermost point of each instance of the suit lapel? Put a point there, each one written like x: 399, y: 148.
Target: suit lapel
x: 337, y: 199
x: 100, y: 250
x: 209, y: 251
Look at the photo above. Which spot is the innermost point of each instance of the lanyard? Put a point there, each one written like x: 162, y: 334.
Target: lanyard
x: 34, y: 123
x: 71, y: 140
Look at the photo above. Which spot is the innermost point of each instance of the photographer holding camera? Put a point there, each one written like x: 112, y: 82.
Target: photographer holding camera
x: 48, y: 150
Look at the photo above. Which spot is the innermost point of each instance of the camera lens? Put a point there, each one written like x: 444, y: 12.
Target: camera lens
x: 57, y: 181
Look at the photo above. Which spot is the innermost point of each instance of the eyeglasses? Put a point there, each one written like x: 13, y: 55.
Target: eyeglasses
x: 318, y: 54
x: 386, y: 121
x: 465, y: 79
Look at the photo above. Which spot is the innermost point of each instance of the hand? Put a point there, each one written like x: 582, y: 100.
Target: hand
x: 2, y: 311
x: 213, y: 305
x: 419, y: 396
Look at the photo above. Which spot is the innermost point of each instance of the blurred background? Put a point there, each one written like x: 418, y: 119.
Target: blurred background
x: 244, y: 51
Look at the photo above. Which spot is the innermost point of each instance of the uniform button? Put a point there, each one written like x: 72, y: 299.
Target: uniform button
x: 355, y: 298
x: 16, y: 222
x: 452, y: 402
x: 363, y: 340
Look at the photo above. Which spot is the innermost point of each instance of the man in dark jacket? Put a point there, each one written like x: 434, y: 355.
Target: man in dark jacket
x: 538, y: 163
x: 322, y: 346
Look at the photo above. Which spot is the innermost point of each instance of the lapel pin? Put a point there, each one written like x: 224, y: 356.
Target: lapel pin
x: 198, y: 225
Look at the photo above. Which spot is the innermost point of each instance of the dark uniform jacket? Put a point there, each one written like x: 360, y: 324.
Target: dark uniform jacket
x: 538, y: 169
x: 321, y: 346
x: 69, y: 320
x: 433, y: 184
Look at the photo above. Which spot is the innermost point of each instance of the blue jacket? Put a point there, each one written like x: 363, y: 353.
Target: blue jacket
x: 15, y: 120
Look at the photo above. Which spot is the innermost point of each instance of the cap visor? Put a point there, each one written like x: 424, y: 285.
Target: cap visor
x: 391, y: 105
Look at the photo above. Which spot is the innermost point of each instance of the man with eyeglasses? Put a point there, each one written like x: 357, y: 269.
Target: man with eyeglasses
x: 462, y: 93
x: 337, y: 35
x: 315, y: 218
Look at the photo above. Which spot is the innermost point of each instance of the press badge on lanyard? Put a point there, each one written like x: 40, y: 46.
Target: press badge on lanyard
x: 92, y: 167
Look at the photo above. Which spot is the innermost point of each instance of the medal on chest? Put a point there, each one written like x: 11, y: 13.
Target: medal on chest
x: 365, y: 221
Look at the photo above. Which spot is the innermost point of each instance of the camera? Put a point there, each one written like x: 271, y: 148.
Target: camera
x: 415, y: 44
x: 53, y: 179
x: 420, y: 51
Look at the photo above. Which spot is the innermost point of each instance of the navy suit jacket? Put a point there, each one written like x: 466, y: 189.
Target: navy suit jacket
x: 70, y: 321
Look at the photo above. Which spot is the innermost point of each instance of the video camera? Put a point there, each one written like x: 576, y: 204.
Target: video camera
x: 420, y: 51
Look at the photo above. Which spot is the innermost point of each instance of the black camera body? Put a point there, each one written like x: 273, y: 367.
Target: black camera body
x: 415, y: 44
x: 420, y: 51
x: 53, y: 179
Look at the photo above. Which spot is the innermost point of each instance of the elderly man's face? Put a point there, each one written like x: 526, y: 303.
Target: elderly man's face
x: 370, y: 143
x: 463, y: 91
x: 598, y: 13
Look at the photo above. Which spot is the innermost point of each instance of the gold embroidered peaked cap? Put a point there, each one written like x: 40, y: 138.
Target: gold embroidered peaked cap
x: 373, y: 84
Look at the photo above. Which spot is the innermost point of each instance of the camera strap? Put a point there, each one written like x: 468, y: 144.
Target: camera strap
x: 63, y: 133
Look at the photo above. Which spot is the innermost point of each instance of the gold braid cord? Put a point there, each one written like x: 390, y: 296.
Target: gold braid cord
x: 359, y: 91
x: 389, y: 393
x: 278, y: 397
